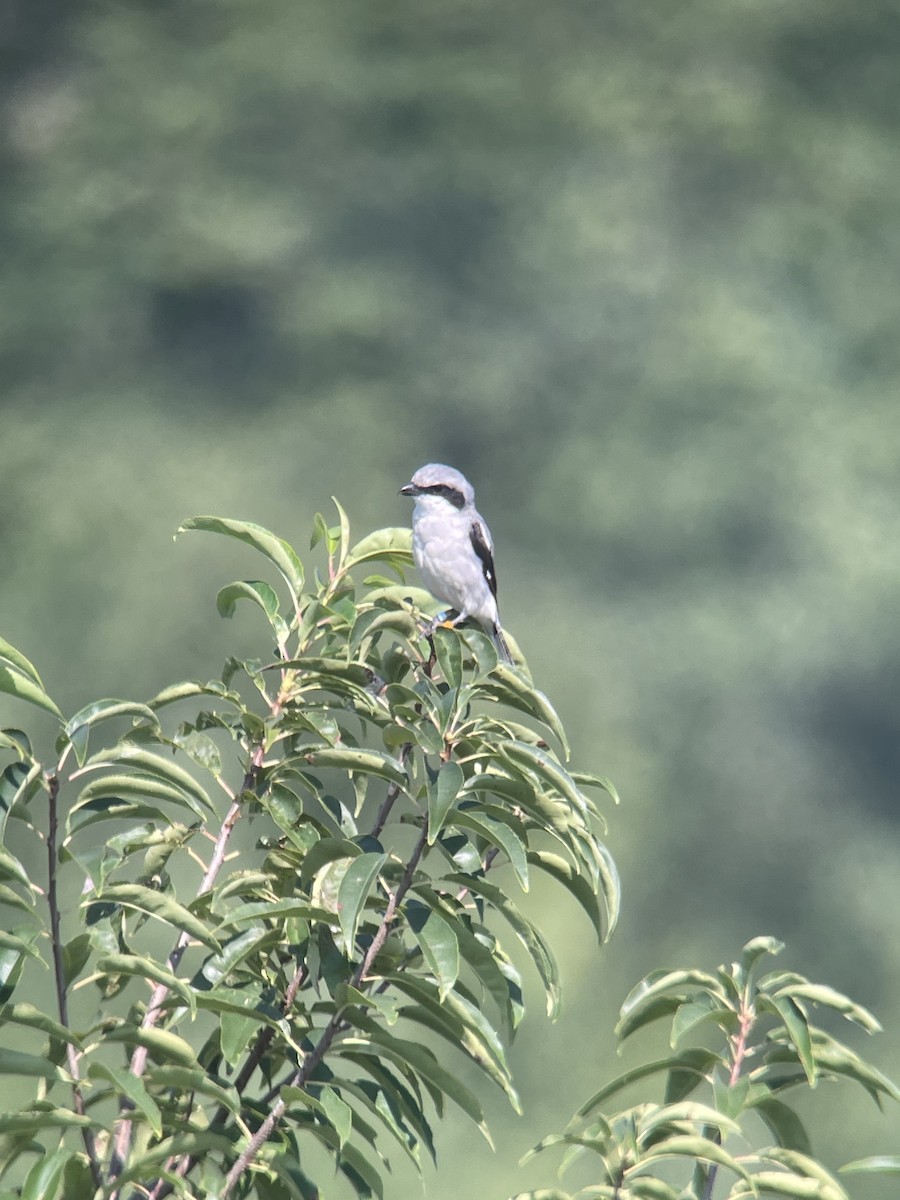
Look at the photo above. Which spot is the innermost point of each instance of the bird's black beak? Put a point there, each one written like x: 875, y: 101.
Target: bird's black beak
x: 409, y: 489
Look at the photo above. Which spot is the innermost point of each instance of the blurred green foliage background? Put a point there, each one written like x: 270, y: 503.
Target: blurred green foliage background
x: 633, y: 266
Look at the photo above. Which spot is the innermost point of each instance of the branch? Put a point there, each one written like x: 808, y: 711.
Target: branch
x: 334, y: 1026
x: 87, y: 1134
x: 160, y: 993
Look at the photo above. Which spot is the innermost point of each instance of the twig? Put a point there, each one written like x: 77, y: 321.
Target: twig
x: 334, y: 1026
x: 160, y: 993
x: 87, y: 1134
x: 739, y: 1052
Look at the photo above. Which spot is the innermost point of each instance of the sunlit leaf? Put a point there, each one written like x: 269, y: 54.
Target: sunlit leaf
x: 146, y: 968
x: 437, y: 942
x: 45, y: 1176
x: 370, y: 761
x: 889, y: 1164
x: 797, y: 1028
x: 275, y: 549
x: 510, y: 686
x: 547, y: 769
x: 187, y: 1079
x: 409, y: 1054
x: 16, y: 659
x: 17, y: 1062
x: 14, y: 683
x: 448, y: 650
x: 159, y: 905
x: 393, y: 545
x: 45, y: 1118
x: 339, y: 1113
x: 354, y: 890
x: 499, y: 834
x: 128, y: 1084
x: 163, y: 1045
x: 696, y: 1061
x: 77, y: 727
x: 441, y: 795
x: 528, y: 933
x: 27, y: 1014
x: 11, y: 868
x: 817, y: 993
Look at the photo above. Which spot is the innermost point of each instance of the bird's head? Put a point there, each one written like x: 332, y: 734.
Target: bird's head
x: 436, y: 484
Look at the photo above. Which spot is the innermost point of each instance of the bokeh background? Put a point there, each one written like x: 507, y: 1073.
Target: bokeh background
x: 634, y: 266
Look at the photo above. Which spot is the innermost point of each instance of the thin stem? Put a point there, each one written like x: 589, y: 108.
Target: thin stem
x: 746, y: 1018
x: 87, y: 1135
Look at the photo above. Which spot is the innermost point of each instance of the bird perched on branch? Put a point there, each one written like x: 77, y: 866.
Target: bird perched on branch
x: 453, y: 549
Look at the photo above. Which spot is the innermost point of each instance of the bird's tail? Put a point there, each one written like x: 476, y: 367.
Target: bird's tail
x: 501, y: 644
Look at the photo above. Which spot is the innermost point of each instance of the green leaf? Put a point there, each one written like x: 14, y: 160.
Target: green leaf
x: 392, y: 545
x: 756, y: 948
x: 159, y: 905
x: 76, y: 954
x: 23, y: 686
x: 145, y: 968
x: 11, y: 868
x: 14, y: 900
x: 186, y: 1079
x: 273, y: 548
x: 889, y: 1164
x: 202, y: 749
x: 802, y: 1165
x: 16, y: 1062
x: 546, y: 769
x: 695, y: 1012
x: 784, y: 1124
x: 339, y: 1113
x: 461, y: 1023
x: 499, y: 834
x: 45, y: 1176
x: 448, y: 649
x: 27, y: 1014
x: 275, y: 910
x: 162, y: 1045
x: 564, y: 873
x: 77, y: 727
x: 258, y: 592
x: 147, y: 764
x: 511, y: 687
x: 410, y: 1055
x: 441, y: 795
x: 18, y: 945
x: 437, y: 942
x: 354, y: 890
x: 16, y: 659
x: 797, y: 1028
x: 45, y: 1118
x: 818, y: 993
x: 696, y: 1062
x: 196, y: 1144
x: 127, y: 1084
x: 371, y: 762
x: 694, y: 1146
x: 191, y: 688
x: 529, y: 935
x: 660, y: 993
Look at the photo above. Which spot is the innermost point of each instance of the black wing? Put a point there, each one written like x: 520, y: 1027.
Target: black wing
x: 481, y: 544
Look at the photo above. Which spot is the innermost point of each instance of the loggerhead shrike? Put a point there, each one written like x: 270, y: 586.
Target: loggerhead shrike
x: 453, y: 549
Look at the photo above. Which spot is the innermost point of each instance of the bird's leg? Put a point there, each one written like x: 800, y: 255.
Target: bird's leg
x: 442, y: 621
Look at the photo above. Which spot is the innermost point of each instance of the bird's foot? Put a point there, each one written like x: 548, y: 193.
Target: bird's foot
x: 441, y: 621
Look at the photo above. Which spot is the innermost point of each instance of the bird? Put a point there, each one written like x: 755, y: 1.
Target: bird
x: 453, y: 549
